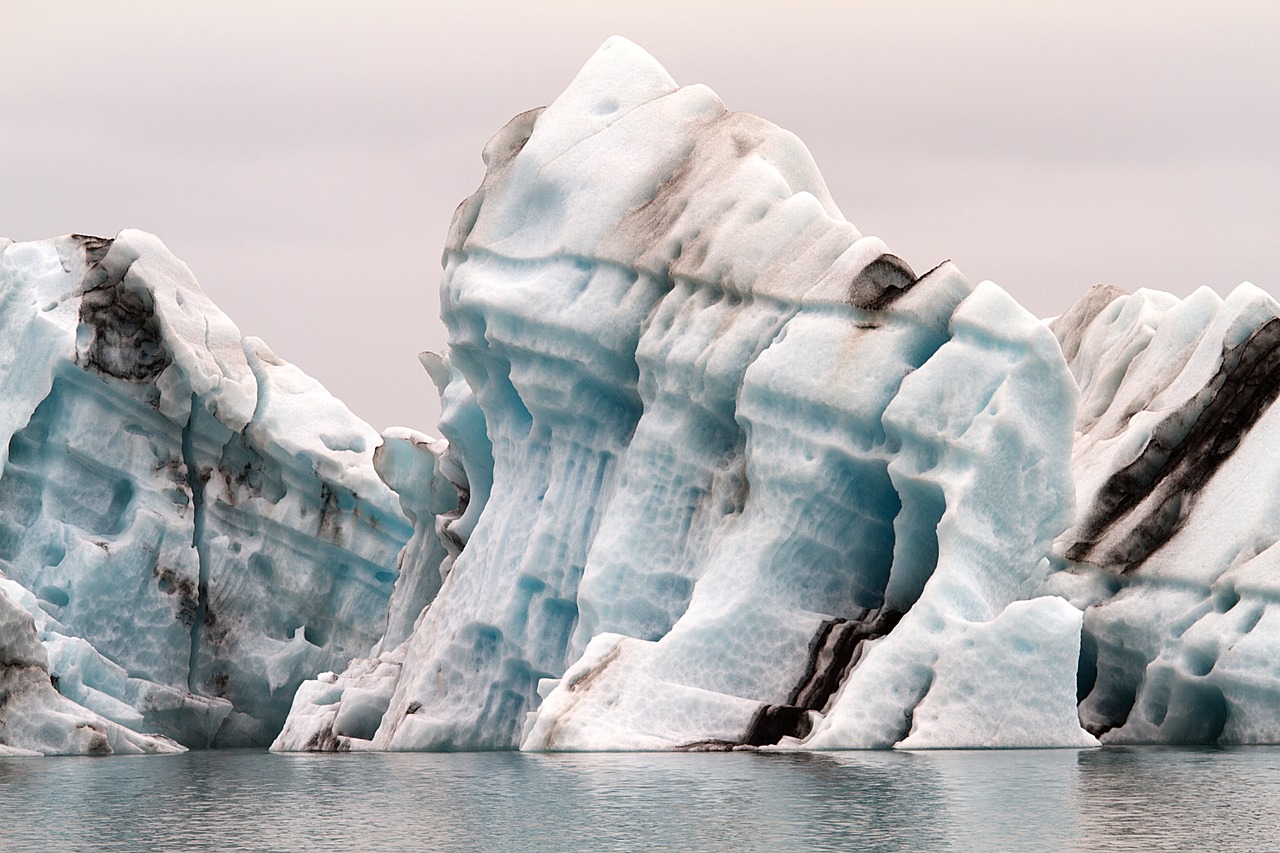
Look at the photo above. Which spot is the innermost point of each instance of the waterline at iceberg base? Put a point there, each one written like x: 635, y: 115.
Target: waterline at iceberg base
x: 717, y: 471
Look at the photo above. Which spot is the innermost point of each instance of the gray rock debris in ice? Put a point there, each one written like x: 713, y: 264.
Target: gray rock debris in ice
x: 1175, y: 544
x: 724, y: 445
x: 199, y: 521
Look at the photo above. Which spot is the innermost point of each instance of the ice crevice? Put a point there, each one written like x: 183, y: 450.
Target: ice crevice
x: 196, y: 484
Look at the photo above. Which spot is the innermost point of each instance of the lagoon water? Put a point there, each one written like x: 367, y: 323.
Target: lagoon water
x: 1107, y: 799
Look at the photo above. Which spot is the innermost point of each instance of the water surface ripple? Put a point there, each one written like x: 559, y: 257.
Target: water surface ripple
x: 1109, y: 799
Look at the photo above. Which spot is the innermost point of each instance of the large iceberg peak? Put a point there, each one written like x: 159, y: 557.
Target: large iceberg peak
x: 728, y: 471
x: 716, y: 471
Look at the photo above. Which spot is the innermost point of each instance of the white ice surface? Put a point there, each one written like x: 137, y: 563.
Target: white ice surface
x: 35, y: 719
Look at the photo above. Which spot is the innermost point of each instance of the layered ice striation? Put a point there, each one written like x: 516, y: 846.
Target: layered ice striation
x: 191, y: 525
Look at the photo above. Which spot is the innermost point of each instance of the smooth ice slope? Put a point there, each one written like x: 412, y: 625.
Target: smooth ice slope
x: 200, y: 523
x: 732, y: 473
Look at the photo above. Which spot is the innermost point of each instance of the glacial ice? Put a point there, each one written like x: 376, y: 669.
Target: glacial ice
x: 716, y: 471
x: 192, y: 525
x: 37, y: 718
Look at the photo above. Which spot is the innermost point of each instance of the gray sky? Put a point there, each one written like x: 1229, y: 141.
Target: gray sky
x: 305, y: 158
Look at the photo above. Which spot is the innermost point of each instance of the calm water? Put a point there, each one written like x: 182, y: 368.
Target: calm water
x: 1111, y: 799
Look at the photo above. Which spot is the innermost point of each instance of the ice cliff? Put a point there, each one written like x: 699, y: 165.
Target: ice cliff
x: 189, y: 526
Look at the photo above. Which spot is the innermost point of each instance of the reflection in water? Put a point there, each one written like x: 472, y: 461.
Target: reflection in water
x: 1010, y: 800
x: 1109, y: 799
x: 1224, y: 799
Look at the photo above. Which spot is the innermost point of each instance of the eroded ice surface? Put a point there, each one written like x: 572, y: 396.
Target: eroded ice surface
x: 192, y: 524
x: 747, y: 478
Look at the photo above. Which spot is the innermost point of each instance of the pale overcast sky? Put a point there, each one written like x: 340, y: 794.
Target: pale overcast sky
x: 305, y: 158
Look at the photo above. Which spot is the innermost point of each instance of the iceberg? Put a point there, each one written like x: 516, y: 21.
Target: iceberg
x: 190, y: 524
x: 35, y: 718
x: 747, y: 478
